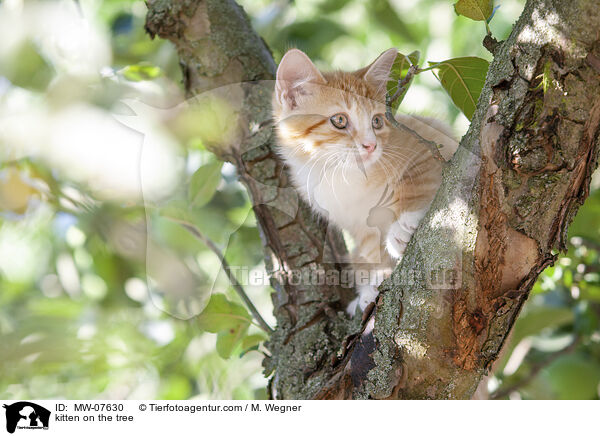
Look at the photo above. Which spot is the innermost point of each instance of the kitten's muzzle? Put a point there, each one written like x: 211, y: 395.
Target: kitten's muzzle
x: 369, y: 146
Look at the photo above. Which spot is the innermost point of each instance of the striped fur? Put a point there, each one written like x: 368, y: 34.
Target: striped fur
x: 378, y: 197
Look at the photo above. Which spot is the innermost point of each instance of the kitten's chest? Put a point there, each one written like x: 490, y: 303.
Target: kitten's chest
x: 345, y: 198
x: 347, y: 205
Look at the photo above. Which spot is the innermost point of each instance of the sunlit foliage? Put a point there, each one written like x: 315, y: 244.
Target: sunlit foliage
x: 100, y: 162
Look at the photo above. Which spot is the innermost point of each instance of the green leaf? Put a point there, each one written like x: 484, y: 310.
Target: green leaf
x: 590, y: 291
x: 538, y: 318
x: 221, y: 315
x: 333, y: 5
x: 251, y: 342
x: 586, y: 318
x: 463, y: 79
x: 178, y: 211
x: 585, y: 223
x: 175, y: 387
x: 392, y: 23
x: 140, y: 72
x: 478, y: 10
x: 28, y: 68
x: 228, y: 340
x: 59, y: 307
x: 573, y: 377
x: 203, y: 184
x: 398, y: 72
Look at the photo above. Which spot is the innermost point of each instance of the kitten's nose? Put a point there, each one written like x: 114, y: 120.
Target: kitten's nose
x: 369, y: 146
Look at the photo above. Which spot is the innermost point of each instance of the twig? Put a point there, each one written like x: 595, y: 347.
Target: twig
x: 402, y: 83
x: 491, y: 43
x: 501, y: 393
x: 433, y: 147
x: 234, y: 282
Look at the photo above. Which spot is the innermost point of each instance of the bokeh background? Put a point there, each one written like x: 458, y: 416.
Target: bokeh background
x: 99, y: 283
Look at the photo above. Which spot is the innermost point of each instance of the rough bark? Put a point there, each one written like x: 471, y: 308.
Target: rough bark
x: 498, y: 220
x: 219, y: 52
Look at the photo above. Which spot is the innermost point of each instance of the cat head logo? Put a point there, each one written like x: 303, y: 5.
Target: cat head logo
x: 26, y: 415
x: 175, y: 283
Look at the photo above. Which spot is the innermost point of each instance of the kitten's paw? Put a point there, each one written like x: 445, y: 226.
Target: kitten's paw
x: 401, y: 231
x: 351, y: 309
x: 366, y: 295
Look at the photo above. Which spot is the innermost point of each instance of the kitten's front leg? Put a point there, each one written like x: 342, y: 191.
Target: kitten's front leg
x: 401, y: 231
x: 371, y: 265
x: 366, y: 295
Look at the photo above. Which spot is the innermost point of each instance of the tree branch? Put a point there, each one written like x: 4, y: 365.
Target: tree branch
x: 503, y: 209
x: 505, y: 203
x: 239, y: 289
x: 401, y: 88
x: 221, y: 55
x: 507, y: 390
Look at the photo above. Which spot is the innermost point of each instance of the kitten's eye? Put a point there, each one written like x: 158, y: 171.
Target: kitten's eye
x: 377, y: 121
x: 339, y: 120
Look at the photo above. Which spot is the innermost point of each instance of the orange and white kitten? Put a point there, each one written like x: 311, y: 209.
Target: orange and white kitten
x: 351, y: 165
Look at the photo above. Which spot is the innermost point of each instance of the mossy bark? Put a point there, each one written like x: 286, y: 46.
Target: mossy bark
x: 503, y: 209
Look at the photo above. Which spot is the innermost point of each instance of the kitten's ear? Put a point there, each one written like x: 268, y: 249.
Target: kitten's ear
x: 378, y: 73
x: 295, y: 70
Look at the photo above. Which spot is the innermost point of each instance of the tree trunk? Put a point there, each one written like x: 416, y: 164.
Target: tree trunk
x: 500, y: 217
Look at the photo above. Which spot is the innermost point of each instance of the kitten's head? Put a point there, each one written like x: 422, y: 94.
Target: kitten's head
x: 337, y: 115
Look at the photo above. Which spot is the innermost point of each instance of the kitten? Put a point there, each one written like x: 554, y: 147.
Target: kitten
x: 351, y: 165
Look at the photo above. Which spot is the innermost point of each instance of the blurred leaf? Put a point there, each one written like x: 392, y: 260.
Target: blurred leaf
x: 242, y: 216
x: 568, y: 278
x: 387, y: 17
x: 204, y: 184
x: 194, y: 143
x: 228, y: 340
x: 537, y: 389
x: 139, y: 72
x: 178, y: 211
x: 463, y: 79
x: 56, y: 307
x: 210, y: 119
x: 176, y: 387
x: 221, y: 314
x: 261, y: 394
x: 590, y: 291
x: 311, y: 35
x: 478, y: 10
x: 586, y: 318
x: 398, y: 72
x: 573, y: 377
x: 15, y: 192
x: 27, y: 68
x: 229, y: 320
x: 251, y: 342
x: 538, y: 318
x: 586, y: 221
x: 333, y: 5
x: 242, y: 393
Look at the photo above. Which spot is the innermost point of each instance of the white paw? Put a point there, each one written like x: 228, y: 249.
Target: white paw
x: 351, y: 309
x: 366, y: 295
x: 401, y: 231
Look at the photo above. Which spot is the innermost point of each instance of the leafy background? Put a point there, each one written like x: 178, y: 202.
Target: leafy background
x: 103, y: 294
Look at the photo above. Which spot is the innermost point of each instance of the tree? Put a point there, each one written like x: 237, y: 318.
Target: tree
x: 499, y: 219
